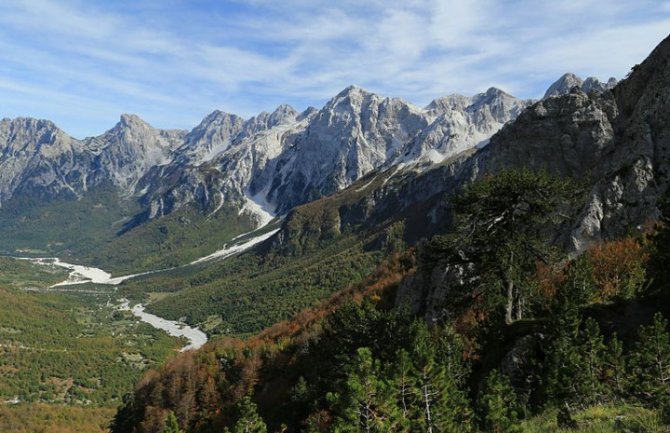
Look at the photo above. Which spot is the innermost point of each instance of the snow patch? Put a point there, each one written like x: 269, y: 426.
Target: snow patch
x: 80, y: 274
x: 258, y: 206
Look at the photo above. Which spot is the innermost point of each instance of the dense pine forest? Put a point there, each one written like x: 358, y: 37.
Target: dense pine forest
x: 531, y: 337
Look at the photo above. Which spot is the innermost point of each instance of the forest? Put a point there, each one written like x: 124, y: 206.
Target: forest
x: 529, y: 339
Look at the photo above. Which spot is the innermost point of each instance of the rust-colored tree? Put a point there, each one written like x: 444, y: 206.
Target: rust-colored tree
x: 618, y: 269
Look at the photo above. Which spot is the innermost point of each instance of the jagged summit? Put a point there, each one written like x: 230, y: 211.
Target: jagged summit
x: 568, y: 81
x: 563, y: 85
x: 352, y: 89
x: 131, y: 120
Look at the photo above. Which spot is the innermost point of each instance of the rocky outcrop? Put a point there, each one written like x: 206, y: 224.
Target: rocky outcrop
x: 617, y: 143
x: 126, y: 152
x: 461, y: 123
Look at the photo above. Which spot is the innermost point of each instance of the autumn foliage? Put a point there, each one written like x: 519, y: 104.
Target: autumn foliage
x: 618, y: 268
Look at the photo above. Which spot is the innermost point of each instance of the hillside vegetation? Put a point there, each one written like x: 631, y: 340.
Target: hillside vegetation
x: 65, y: 357
x: 527, y: 340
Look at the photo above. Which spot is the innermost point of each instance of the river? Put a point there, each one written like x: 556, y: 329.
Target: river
x: 80, y: 274
x: 196, y: 337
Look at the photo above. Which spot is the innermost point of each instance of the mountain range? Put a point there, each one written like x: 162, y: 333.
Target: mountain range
x: 258, y: 167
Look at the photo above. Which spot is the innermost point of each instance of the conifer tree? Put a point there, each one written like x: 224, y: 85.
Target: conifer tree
x: 564, y: 361
x: 589, y: 385
x: 366, y: 403
x: 403, y: 380
x: 440, y: 406
x: 651, y: 361
x: 616, y: 374
x: 248, y: 420
x: 172, y: 424
x: 500, y: 224
x: 498, y: 405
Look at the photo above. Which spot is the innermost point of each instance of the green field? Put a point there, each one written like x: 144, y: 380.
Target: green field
x: 611, y: 418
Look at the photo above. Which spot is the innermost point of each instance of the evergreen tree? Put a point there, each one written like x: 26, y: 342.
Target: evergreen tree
x: 403, y: 380
x: 366, y: 403
x: 616, y: 374
x: 500, y: 234
x: 564, y: 361
x: 439, y: 404
x: 592, y: 348
x: 125, y: 417
x: 248, y: 420
x: 498, y: 405
x: 651, y: 361
x: 172, y: 424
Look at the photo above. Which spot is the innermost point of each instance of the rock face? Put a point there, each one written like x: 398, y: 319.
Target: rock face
x: 617, y: 142
x: 39, y: 160
x: 461, y: 123
x: 126, y: 152
x: 272, y: 162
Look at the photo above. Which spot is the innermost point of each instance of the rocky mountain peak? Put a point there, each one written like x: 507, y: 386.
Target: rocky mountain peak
x: 569, y: 81
x: 284, y: 111
x: 351, y: 97
x: 212, y: 136
x: 448, y: 103
x: 34, y: 135
x: 131, y: 121
x: 282, y: 115
x: 563, y: 85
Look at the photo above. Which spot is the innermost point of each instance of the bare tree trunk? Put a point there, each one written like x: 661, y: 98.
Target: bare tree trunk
x: 509, y: 307
x: 426, y: 396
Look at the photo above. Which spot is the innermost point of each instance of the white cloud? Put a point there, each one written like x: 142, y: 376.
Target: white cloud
x: 304, y: 51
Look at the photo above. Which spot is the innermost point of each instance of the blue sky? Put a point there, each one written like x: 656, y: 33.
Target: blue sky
x: 83, y: 63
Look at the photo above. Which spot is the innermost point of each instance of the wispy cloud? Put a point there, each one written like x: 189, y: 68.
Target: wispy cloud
x: 81, y: 63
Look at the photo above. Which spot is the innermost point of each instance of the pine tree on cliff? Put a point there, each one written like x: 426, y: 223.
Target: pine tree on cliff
x: 501, y: 224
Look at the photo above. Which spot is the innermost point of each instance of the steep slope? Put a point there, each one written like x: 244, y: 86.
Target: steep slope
x: 218, y: 162
x: 615, y: 143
